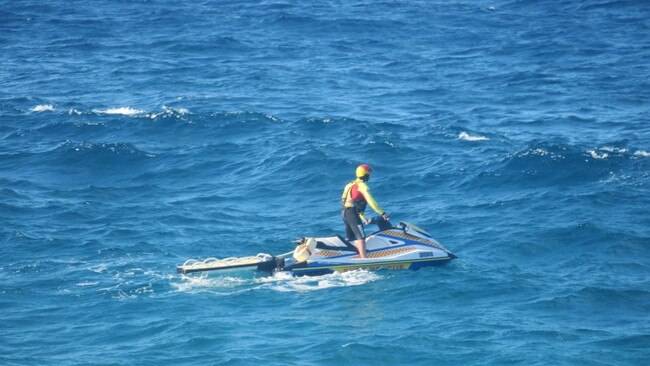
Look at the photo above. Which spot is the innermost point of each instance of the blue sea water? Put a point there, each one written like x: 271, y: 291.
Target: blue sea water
x: 137, y: 134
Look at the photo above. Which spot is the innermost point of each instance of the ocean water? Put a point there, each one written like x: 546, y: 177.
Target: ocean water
x: 137, y: 134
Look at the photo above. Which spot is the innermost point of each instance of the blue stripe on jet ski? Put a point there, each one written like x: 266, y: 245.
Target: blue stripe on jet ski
x: 413, y: 264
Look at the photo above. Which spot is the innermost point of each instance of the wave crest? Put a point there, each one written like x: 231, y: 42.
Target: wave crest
x: 467, y: 137
x: 105, y: 150
x: 43, y: 108
x: 125, y: 111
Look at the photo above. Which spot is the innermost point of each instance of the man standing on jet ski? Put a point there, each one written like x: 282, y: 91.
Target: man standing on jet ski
x: 356, y: 196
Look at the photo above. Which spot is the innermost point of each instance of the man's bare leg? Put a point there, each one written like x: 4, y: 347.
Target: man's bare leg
x: 361, y: 245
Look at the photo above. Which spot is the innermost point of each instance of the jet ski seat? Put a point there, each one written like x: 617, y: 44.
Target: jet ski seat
x: 336, y: 242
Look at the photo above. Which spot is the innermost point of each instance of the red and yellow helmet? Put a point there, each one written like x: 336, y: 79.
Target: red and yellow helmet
x: 363, y: 170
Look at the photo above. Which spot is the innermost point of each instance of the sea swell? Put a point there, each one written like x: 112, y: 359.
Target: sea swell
x: 135, y: 136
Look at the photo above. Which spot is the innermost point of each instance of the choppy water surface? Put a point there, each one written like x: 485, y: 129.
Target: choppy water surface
x: 135, y: 135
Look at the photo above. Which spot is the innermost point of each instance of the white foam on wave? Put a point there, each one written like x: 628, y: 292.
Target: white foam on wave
x: 271, y: 117
x: 613, y: 149
x: 206, y: 283
x: 467, y: 137
x: 168, y: 111
x: 43, y: 108
x: 387, y: 143
x: 540, y: 152
x: 133, y: 293
x: 99, y: 268
x: 125, y: 111
x: 615, y: 178
x: 85, y: 284
x: 181, y: 111
x: 280, y: 281
x: 284, y: 282
x: 642, y: 153
x: 594, y: 154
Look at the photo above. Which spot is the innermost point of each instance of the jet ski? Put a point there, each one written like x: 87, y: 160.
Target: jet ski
x: 404, y: 246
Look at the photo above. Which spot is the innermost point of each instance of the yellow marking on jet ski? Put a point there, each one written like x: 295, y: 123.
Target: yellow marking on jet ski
x: 328, y: 253
x: 386, y: 253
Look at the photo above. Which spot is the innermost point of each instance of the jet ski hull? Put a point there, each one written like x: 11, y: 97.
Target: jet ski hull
x: 317, y: 270
x: 397, y: 248
x: 402, y: 247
